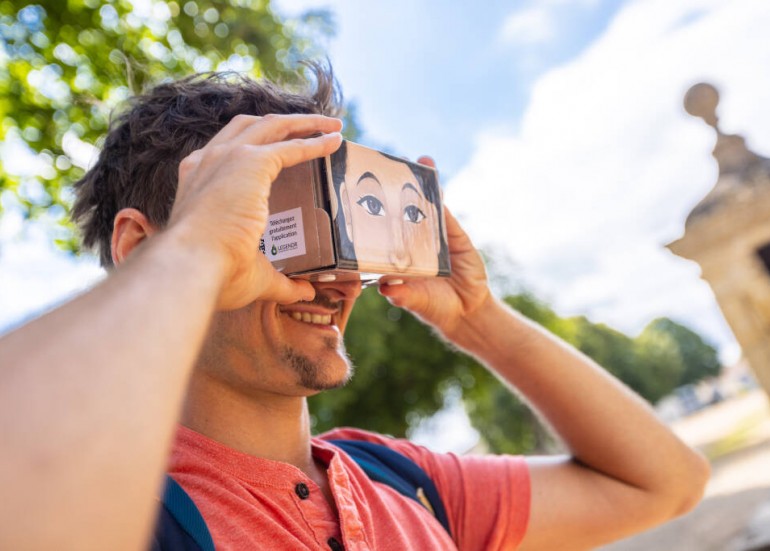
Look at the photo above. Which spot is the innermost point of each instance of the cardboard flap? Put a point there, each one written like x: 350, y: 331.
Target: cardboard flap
x: 326, y: 256
x: 291, y: 237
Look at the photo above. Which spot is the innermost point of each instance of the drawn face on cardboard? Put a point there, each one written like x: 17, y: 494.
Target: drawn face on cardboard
x: 391, y: 223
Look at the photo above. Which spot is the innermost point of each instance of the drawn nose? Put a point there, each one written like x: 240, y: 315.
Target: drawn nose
x: 399, y: 256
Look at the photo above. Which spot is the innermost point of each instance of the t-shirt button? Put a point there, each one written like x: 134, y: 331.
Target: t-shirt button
x: 334, y: 545
x: 302, y: 490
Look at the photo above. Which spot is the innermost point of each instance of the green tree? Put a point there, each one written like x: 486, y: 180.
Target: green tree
x: 65, y: 64
x: 402, y: 370
x: 700, y: 360
x: 659, y: 365
x: 538, y: 311
x: 664, y: 356
x: 608, y: 347
x: 506, y: 423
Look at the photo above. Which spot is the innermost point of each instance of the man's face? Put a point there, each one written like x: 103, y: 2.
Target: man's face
x: 394, y: 227
x: 294, y: 349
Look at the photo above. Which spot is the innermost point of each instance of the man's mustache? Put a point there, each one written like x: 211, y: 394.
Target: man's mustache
x: 324, y: 301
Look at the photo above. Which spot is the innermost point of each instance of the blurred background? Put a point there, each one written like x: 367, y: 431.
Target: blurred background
x: 563, y: 146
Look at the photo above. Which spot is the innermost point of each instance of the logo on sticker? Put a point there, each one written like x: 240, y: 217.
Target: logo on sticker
x: 285, y: 234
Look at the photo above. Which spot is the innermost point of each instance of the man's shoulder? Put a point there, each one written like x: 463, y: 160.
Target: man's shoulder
x: 350, y: 433
x: 436, y: 464
x: 403, y: 446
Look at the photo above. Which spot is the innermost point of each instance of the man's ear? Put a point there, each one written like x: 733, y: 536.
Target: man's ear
x: 130, y: 228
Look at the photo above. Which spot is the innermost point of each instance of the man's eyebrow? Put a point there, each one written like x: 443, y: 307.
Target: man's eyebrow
x: 366, y: 175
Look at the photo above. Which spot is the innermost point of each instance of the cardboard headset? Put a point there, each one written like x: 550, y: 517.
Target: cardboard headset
x: 358, y: 213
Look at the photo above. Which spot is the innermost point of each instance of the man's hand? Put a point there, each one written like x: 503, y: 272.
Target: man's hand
x: 222, y: 198
x: 444, y: 302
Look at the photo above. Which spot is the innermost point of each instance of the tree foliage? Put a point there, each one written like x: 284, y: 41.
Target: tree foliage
x: 401, y: 369
x: 403, y: 372
x: 66, y: 64
x: 699, y: 359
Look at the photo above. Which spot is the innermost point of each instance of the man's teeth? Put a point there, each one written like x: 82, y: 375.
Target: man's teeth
x: 307, y: 317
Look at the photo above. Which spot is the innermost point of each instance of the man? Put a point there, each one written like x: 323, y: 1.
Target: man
x: 193, y: 319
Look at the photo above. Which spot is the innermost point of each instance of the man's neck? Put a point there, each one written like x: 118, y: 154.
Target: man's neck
x: 272, y: 426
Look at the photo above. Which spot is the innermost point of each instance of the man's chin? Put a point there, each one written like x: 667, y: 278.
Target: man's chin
x: 319, y: 375
x: 320, y: 386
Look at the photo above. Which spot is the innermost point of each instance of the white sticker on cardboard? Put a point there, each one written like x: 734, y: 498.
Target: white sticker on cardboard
x: 285, y: 235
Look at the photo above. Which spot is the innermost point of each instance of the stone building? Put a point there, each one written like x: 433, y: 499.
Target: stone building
x: 728, y: 235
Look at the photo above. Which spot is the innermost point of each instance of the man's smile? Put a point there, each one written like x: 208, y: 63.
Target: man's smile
x: 320, y: 311
x: 308, y: 317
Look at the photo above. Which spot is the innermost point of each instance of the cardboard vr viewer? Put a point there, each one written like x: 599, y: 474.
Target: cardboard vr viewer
x: 358, y: 213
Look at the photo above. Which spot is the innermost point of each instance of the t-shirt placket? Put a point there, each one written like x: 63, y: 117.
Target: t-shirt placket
x: 318, y: 515
x: 350, y: 523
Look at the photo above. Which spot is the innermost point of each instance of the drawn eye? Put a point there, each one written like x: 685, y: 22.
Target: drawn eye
x: 413, y: 214
x: 372, y: 205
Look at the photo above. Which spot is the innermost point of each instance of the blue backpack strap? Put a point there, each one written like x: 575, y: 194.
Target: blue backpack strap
x: 180, y: 525
x: 390, y: 467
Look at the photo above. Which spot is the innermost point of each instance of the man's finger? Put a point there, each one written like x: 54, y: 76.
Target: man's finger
x: 189, y: 164
x: 248, y: 129
x: 453, y: 227
x: 286, y: 291
x: 298, y: 150
x: 412, y: 298
x: 427, y: 161
x: 276, y: 128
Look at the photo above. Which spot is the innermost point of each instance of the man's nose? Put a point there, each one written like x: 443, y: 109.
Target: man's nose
x: 346, y: 289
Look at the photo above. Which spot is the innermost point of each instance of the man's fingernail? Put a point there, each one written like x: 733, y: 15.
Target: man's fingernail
x: 394, y: 282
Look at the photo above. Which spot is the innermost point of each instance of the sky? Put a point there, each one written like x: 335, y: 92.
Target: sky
x: 558, y: 129
x: 560, y: 135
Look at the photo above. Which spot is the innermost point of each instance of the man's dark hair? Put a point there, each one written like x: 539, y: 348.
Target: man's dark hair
x: 139, y: 163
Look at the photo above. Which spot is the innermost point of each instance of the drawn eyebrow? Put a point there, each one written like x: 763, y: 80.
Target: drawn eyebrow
x: 366, y: 175
x: 411, y: 186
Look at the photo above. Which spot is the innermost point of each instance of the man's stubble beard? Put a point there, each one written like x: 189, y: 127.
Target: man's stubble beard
x: 312, y: 374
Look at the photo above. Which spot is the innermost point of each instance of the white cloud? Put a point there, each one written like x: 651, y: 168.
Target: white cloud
x: 529, y: 26
x: 82, y: 154
x: 33, y: 274
x: 538, y: 23
x: 577, y: 3
x: 607, y: 165
x: 17, y: 157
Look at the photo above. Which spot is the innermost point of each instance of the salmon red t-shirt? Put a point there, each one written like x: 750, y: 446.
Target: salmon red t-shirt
x: 253, y: 503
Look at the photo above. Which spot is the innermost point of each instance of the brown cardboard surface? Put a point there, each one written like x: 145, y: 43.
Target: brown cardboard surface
x: 357, y: 213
